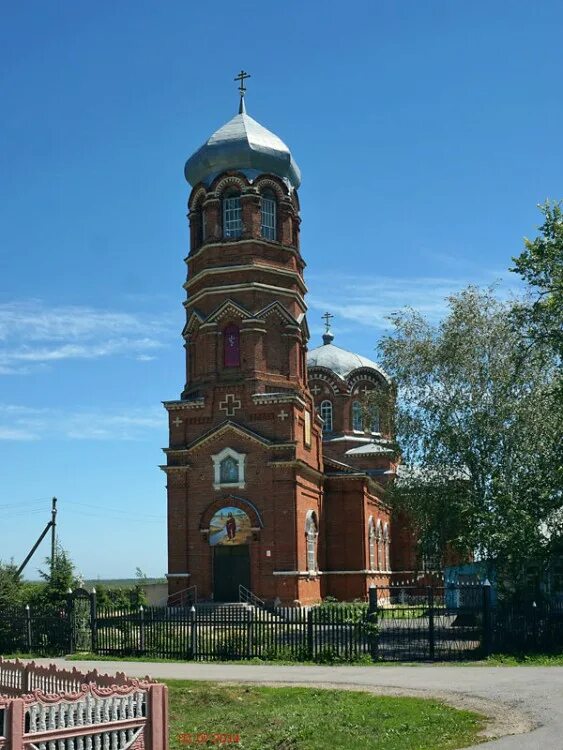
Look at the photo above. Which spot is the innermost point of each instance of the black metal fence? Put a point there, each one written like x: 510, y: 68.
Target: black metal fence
x: 398, y: 623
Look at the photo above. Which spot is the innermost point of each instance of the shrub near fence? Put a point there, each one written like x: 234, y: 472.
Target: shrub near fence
x: 399, y: 623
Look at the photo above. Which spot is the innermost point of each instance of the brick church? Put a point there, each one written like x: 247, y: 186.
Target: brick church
x: 276, y: 470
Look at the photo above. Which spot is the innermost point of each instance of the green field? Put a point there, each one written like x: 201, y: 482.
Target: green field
x: 205, y: 714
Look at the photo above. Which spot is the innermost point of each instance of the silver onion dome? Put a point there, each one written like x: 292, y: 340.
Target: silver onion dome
x: 340, y: 361
x: 244, y: 145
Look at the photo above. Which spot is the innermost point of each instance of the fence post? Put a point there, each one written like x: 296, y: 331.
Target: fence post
x: 193, y: 625
x: 29, y: 641
x: 15, y: 727
x: 310, y: 642
x: 94, y: 621
x: 431, y: 635
x: 249, y: 643
x: 70, y: 610
x: 373, y: 634
x: 158, y: 725
x: 142, y: 629
x: 487, y: 623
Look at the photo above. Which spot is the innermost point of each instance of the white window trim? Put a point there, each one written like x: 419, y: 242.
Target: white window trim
x: 217, y: 458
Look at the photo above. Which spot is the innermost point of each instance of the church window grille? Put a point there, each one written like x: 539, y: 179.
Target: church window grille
x: 229, y: 470
x: 375, y: 421
x: 311, y: 534
x: 326, y: 415
x: 371, y: 544
x: 357, y: 417
x: 231, y: 346
x: 268, y: 215
x: 232, y: 215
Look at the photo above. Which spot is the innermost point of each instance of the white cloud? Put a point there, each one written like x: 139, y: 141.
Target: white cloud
x: 33, y: 335
x: 370, y: 300
x: 26, y: 423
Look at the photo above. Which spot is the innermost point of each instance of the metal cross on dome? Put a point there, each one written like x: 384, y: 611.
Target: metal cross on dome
x: 327, y: 318
x: 242, y: 76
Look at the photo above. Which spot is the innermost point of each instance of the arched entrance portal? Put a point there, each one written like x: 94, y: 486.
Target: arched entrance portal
x: 229, y: 535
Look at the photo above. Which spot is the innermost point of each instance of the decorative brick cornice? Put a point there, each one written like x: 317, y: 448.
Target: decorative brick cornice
x: 195, y: 403
x: 249, y: 286
x: 262, y: 241
x: 278, y: 398
x: 296, y: 464
x: 262, y: 267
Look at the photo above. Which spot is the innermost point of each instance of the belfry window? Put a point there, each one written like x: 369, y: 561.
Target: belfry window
x: 326, y: 415
x: 231, y: 346
x: 357, y: 417
x: 232, y: 215
x: 311, y: 533
x: 268, y: 215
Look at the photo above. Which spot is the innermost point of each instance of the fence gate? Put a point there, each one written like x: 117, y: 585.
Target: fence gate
x: 80, y: 605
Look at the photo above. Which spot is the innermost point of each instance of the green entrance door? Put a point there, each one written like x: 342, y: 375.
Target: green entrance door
x: 231, y: 568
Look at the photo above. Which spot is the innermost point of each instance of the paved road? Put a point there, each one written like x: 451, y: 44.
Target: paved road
x: 516, y: 695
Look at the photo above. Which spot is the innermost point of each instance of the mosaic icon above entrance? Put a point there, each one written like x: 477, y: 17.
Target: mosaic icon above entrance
x: 229, y: 526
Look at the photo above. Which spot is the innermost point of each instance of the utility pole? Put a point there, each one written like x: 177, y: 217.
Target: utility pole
x: 52, y: 525
x: 53, y: 533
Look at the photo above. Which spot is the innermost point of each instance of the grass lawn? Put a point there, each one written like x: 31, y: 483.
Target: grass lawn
x: 206, y: 714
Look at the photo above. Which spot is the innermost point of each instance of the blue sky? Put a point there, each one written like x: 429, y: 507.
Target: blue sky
x: 426, y: 133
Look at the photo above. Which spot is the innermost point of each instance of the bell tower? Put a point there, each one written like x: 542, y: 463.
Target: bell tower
x: 244, y: 462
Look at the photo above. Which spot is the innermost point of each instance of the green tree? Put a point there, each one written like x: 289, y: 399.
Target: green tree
x: 478, y: 431
x: 541, y: 266
x: 11, y: 587
x: 59, y: 580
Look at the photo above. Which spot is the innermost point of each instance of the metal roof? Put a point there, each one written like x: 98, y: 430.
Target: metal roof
x: 340, y: 361
x: 242, y: 144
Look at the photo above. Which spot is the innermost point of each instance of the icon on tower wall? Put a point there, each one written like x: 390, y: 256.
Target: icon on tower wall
x: 230, y: 526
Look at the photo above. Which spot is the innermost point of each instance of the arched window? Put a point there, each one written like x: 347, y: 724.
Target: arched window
x: 232, y: 214
x: 357, y: 417
x: 326, y: 415
x: 375, y: 424
x: 311, y: 533
x: 268, y: 215
x: 200, y: 227
x: 231, y: 346
x: 386, y: 546
x: 380, y: 550
x: 371, y: 543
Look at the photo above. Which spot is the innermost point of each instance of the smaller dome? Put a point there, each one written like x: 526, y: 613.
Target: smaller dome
x: 341, y: 361
x: 244, y: 145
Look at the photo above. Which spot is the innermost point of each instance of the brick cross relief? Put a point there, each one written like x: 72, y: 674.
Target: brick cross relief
x: 177, y: 422
x: 230, y: 405
x: 315, y: 390
x: 283, y: 415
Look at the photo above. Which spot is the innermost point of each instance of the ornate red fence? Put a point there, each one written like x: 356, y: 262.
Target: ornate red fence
x: 45, y: 708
